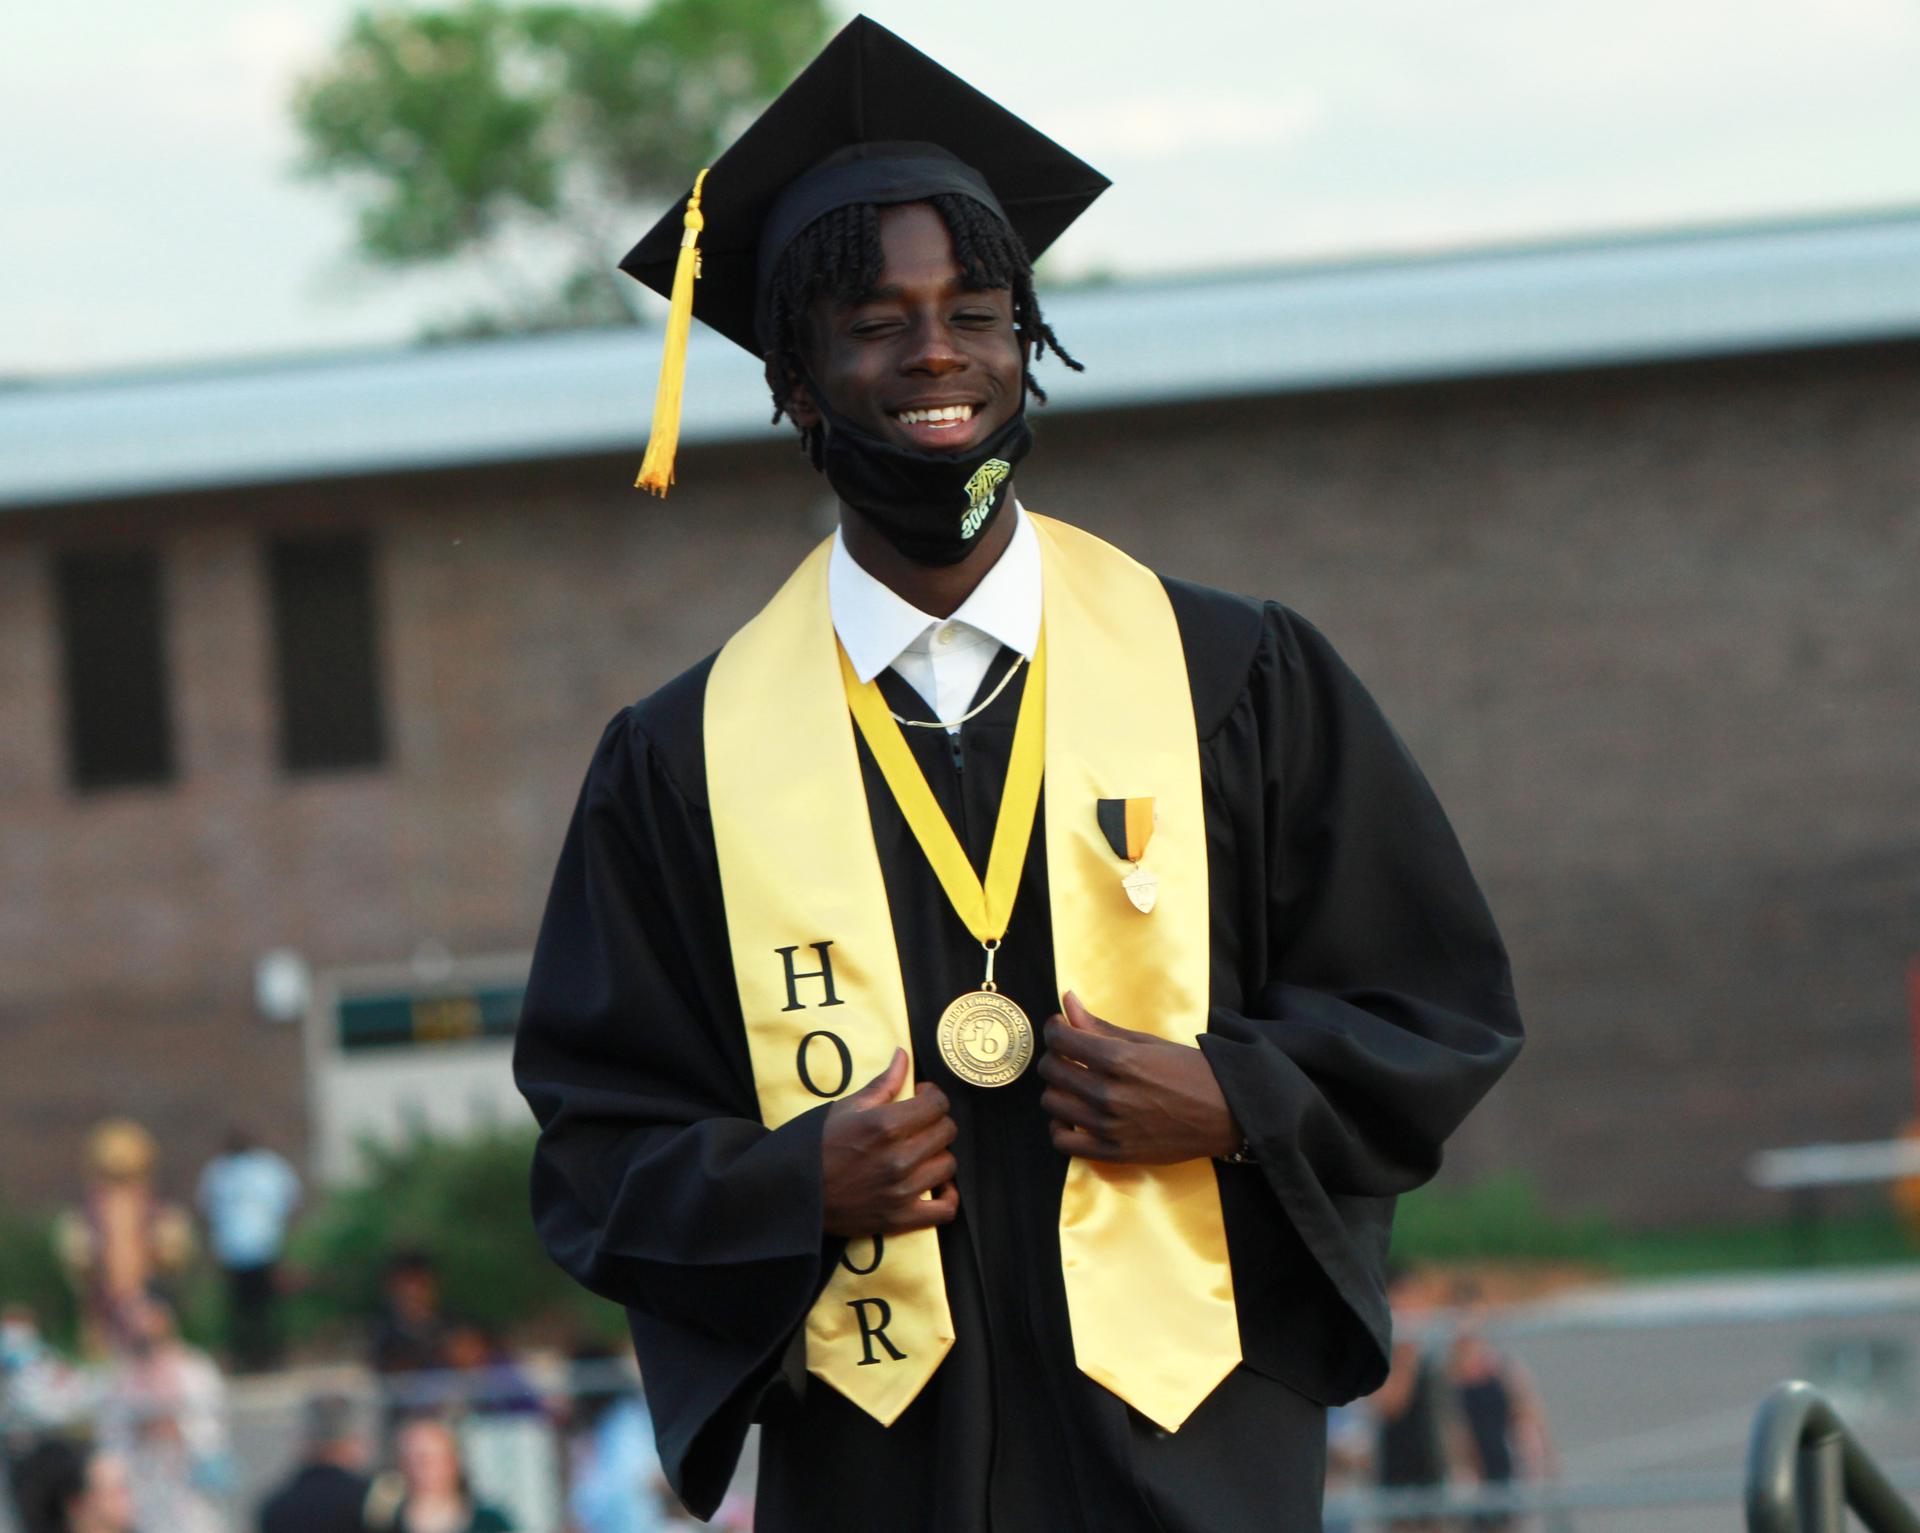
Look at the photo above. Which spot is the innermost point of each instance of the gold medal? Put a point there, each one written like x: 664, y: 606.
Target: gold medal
x: 985, y: 1038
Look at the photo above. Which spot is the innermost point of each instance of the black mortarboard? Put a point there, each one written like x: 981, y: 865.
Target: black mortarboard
x: 872, y: 119
x: 870, y: 88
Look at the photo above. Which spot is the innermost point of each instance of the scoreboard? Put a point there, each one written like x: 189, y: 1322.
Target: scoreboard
x: 401, y: 1050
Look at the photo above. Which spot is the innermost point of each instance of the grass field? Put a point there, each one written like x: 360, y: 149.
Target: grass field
x: 1505, y: 1219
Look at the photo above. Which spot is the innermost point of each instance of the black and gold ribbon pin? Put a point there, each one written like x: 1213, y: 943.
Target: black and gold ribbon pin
x: 1128, y: 825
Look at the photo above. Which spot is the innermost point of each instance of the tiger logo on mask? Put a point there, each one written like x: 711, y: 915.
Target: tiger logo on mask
x: 987, y: 479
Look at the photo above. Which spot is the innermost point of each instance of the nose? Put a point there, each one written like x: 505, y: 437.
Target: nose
x: 933, y: 352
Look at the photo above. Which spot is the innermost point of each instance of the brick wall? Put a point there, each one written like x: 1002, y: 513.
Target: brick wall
x: 1651, y: 632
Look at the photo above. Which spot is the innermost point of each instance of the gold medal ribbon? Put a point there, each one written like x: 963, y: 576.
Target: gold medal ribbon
x: 984, y: 908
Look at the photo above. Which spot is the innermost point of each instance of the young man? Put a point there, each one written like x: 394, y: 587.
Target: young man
x: 971, y: 767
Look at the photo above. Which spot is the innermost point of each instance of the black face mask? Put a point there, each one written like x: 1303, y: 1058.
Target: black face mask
x: 934, y: 507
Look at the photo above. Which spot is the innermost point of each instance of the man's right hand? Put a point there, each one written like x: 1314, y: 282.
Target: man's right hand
x: 879, y: 1158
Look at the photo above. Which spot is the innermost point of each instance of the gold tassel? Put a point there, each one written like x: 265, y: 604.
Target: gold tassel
x: 656, y: 469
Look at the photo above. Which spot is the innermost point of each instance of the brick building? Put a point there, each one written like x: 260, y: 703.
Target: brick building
x: 1623, y: 535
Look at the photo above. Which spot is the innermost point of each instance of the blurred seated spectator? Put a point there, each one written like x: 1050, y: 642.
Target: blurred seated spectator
x: 68, y: 1487
x: 164, y: 1411
x: 327, y: 1492
x: 407, y: 1342
x: 487, y: 1380
x: 247, y: 1194
x: 409, y: 1333
x: 509, y: 1443
x: 39, y: 1391
x: 429, y: 1492
x: 616, y: 1485
x: 1349, y: 1457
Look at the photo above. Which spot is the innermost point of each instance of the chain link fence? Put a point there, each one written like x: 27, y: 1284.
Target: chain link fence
x: 1650, y: 1391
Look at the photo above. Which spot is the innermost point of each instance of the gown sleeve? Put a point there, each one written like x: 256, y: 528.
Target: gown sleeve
x: 654, y: 1183
x: 1378, y: 1004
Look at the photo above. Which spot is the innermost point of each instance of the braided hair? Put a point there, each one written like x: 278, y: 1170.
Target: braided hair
x: 838, y: 257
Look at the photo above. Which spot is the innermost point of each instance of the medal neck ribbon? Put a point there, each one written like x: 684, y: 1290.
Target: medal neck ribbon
x: 985, y: 908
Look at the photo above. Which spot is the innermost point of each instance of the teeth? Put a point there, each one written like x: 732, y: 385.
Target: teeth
x: 944, y: 414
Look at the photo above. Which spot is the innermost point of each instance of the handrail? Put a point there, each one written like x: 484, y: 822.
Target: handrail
x: 1805, y: 1469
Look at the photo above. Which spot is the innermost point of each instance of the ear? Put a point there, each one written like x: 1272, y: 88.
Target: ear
x: 793, y: 395
x: 800, y: 406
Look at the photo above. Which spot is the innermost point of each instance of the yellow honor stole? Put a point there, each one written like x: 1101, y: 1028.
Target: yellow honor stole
x: 1143, y: 1248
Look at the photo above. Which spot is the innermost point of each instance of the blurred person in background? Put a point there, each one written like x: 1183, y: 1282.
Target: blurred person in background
x: 327, y: 1491
x: 489, y: 1381
x: 39, y: 1391
x: 1349, y: 1456
x: 1500, y: 1425
x: 406, y: 1344
x: 429, y: 1491
x: 124, y: 1239
x: 409, y: 1333
x: 164, y: 1411
x: 616, y: 1483
x: 247, y: 1194
x: 1410, y: 1408
x: 510, y: 1444
x: 67, y: 1487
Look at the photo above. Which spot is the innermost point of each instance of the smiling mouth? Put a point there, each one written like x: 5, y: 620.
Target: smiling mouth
x: 940, y: 417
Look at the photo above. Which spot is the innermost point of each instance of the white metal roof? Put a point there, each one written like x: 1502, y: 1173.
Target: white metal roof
x: 1626, y: 300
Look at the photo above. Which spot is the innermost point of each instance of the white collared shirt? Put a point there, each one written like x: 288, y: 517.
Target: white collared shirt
x: 943, y: 659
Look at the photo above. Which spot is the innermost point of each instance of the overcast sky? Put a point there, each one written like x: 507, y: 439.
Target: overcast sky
x: 147, y: 214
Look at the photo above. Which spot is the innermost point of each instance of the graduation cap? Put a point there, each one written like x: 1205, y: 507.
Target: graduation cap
x: 871, y: 120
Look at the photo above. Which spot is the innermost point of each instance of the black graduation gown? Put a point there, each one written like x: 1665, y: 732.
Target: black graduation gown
x: 1361, y: 1005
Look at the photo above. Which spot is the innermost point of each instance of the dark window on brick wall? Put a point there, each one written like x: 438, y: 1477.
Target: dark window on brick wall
x: 326, y: 652
x: 113, y: 644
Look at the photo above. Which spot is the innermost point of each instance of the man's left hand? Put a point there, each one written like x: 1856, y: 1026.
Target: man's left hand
x: 1118, y: 1095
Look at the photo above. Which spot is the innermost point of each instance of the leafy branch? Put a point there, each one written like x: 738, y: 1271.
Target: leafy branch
x: 532, y: 143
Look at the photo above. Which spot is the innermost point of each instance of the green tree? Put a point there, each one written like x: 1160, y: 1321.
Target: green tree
x: 31, y: 1274
x: 536, y: 141
x: 464, y: 1202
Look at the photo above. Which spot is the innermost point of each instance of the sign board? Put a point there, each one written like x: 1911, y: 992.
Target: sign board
x: 406, y: 1019
x: 400, y: 1050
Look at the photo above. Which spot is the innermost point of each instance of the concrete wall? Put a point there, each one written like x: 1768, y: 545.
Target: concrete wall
x: 1652, y: 633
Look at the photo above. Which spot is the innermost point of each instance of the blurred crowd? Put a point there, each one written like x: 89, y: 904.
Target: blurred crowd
x: 443, y: 1429
x: 1455, y: 1416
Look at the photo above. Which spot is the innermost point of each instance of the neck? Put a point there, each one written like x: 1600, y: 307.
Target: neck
x: 937, y: 590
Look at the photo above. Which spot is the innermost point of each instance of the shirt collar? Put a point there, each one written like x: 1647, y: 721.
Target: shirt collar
x: 876, y: 625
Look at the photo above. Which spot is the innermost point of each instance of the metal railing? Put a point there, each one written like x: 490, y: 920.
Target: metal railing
x: 1805, y: 1470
